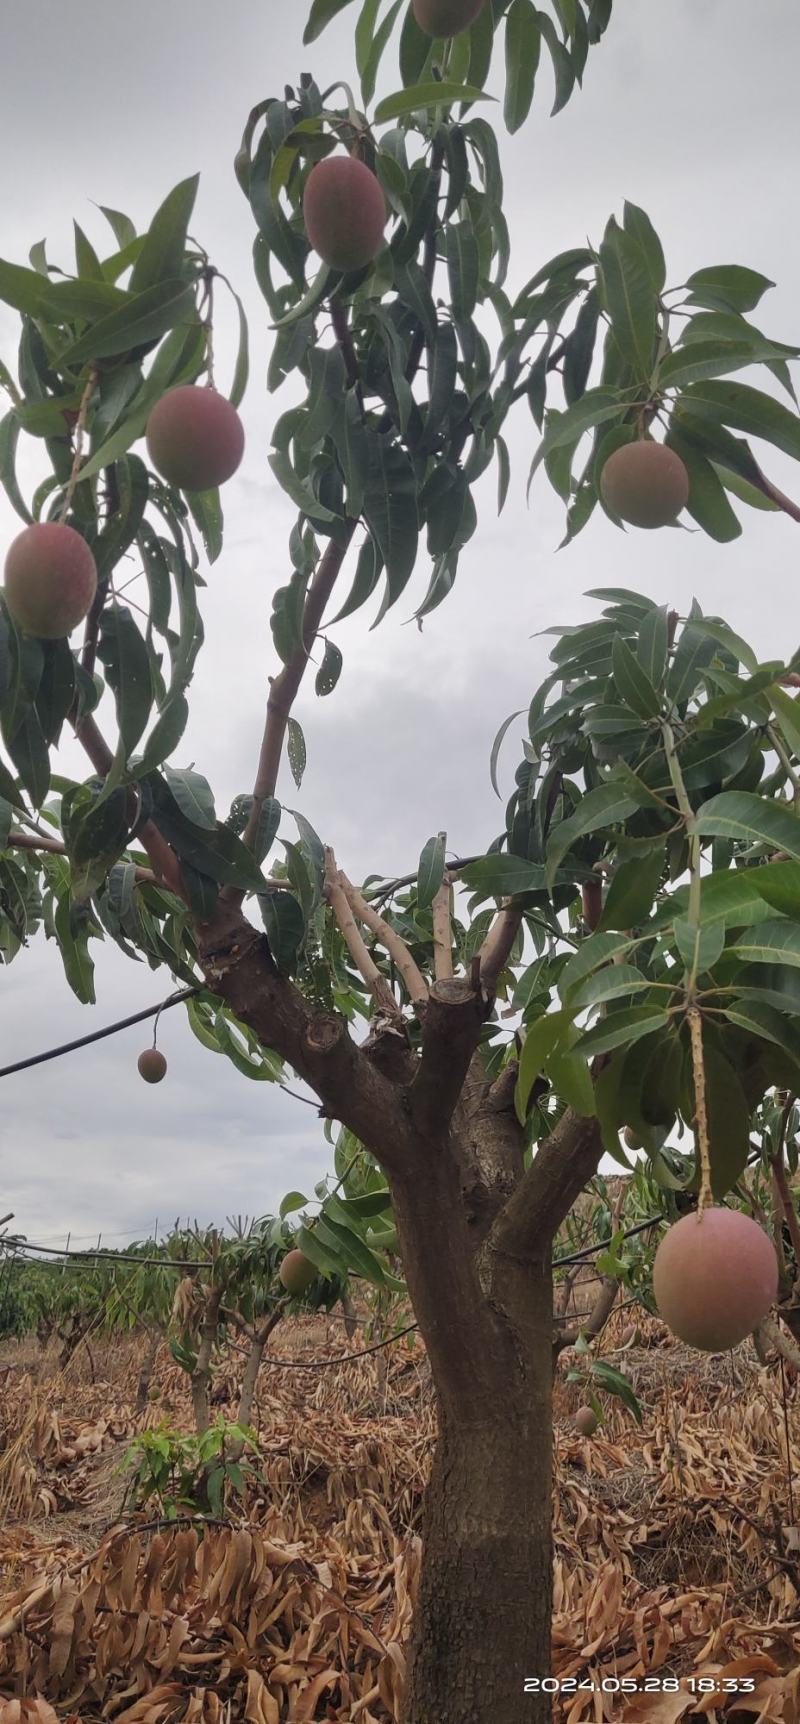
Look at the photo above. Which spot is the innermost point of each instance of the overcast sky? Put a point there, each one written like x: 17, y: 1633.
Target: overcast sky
x: 689, y: 109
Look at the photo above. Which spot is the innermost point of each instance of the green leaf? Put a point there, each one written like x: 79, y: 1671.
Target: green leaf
x: 284, y: 922
x: 206, y: 512
x: 497, y: 745
x: 427, y: 95
x: 745, y: 409
x: 463, y: 268
x: 9, y: 437
x: 320, y: 16
x: 778, y: 883
x: 600, y: 808
x: 72, y: 932
x: 622, y: 1029
x: 162, y: 255
x: 698, y: 947
x: 269, y: 820
x: 194, y: 796
x: 653, y: 643
x: 523, y: 47
x: 728, y: 1122
x: 747, y: 818
x: 390, y: 509
x: 572, y: 1082
x: 22, y: 289
x: 632, y: 890
x: 633, y: 685
x: 630, y: 299
x: 764, y: 1021
x: 708, y: 504
x: 638, y: 226
x: 770, y: 943
x: 613, y: 982
x: 592, y: 954
x: 728, y: 286
x: 593, y: 408
x: 430, y: 873
x: 127, y: 662
x: 702, y: 359
x: 296, y: 750
x: 121, y: 225
x: 142, y: 319
x: 501, y: 876
x: 329, y: 671
x: 542, y: 1038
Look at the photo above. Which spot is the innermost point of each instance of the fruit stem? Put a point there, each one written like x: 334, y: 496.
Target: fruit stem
x: 701, y: 1115
x: 208, y: 326
x: 80, y: 426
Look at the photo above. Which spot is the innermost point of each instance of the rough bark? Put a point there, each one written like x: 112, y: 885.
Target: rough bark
x: 251, y: 1370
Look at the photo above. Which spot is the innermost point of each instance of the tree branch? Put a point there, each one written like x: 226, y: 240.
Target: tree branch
x: 338, y: 900
x: 451, y: 1029
x: 496, y: 949
x: 392, y: 943
x: 284, y: 687
x: 239, y: 967
x: 54, y: 847
x: 597, y: 1319
x: 442, y: 931
x: 571, y: 1154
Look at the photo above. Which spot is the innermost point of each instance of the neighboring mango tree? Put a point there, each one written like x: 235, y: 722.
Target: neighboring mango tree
x: 625, y: 953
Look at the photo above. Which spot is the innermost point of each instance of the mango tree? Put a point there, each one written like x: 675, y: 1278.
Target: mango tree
x: 623, y: 952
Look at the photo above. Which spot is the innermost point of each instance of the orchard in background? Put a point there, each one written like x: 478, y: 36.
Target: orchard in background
x: 625, y: 955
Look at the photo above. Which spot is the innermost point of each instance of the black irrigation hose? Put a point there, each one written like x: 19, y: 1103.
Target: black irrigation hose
x: 98, y: 1035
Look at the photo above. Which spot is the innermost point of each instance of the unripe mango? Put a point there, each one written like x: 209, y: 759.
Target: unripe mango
x: 296, y: 1273
x: 195, y: 438
x: 50, y: 580
x: 344, y: 210
x: 586, y: 1421
x: 715, y: 1276
x: 446, y: 17
x: 152, y: 1065
x: 645, y: 483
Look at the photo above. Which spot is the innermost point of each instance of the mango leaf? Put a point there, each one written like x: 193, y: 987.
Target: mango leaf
x: 542, y: 1038
x: 162, y: 254
x: 747, y: 818
x: 320, y: 16
x: 296, y: 750
x: 426, y: 95
x: 698, y: 947
x: 523, y: 47
x: 598, y: 950
x: 630, y: 299
x: 501, y: 876
x: 143, y: 319
x: 778, y: 883
x: 622, y: 1029
x: 770, y: 943
x: 284, y: 922
x: 605, y: 806
x: 729, y: 286
x: 430, y: 873
x: 632, y: 890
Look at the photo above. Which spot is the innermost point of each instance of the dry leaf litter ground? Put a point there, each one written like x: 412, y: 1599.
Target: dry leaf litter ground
x: 668, y: 1546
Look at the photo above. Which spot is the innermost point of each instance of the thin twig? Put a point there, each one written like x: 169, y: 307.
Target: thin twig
x: 392, y: 942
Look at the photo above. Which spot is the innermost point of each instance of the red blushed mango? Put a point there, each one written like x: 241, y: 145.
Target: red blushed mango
x: 50, y: 580
x: 195, y: 438
x: 344, y: 210
x: 715, y: 1276
x: 645, y: 483
x: 446, y: 17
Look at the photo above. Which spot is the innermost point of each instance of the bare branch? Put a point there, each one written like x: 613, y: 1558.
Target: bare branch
x: 339, y: 902
x: 442, y: 931
x: 560, y: 1168
x: 392, y: 942
x: 597, y: 1319
x: 284, y: 687
x: 53, y: 847
x: 496, y: 949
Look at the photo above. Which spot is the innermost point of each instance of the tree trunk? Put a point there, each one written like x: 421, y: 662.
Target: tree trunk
x: 350, y: 1315
x: 250, y: 1379
x: 483, y: 1617
x: 482, y: 1623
